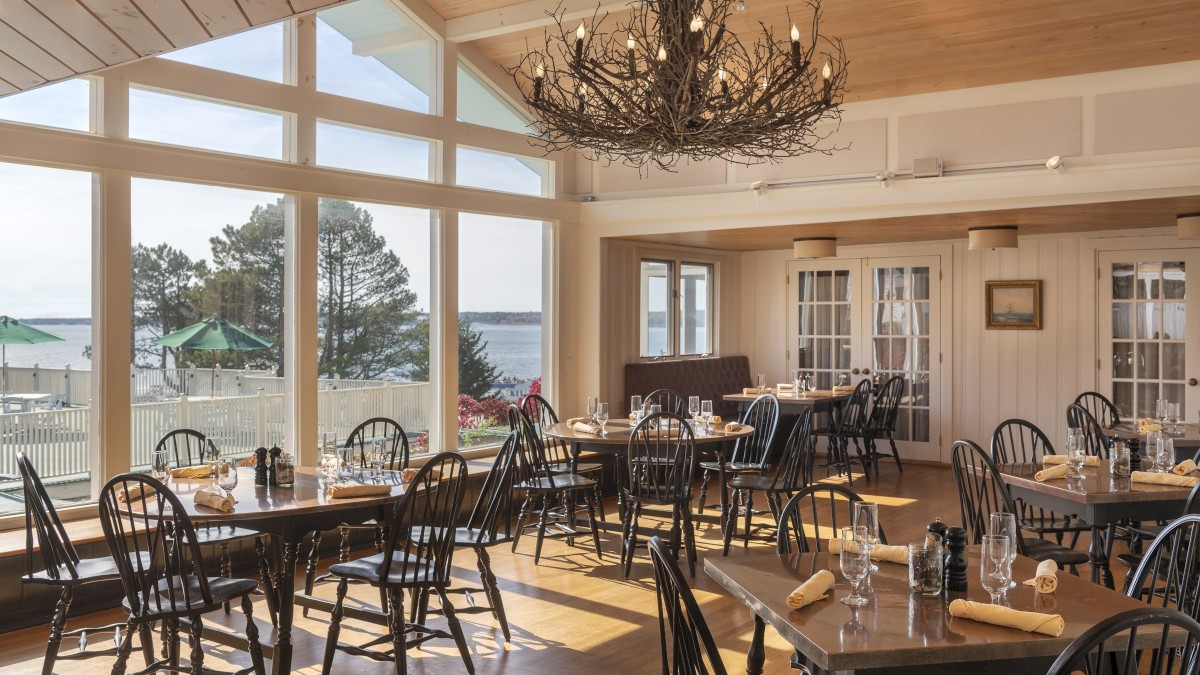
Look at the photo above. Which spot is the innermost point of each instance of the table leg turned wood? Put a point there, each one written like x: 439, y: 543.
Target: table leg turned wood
x: 1098, y: 558
x: 285, y: 584
x: 757, y: 654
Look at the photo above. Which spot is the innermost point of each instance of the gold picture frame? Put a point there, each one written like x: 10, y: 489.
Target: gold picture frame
x: 1014, y: 305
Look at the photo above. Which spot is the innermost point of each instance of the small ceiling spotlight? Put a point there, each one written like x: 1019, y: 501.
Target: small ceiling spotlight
x: 884, y: 178
x: 758, y: 186
x: 814, y: 247
x: 1189, y: 225
x: 996, y: 236
x: 1056, y: 163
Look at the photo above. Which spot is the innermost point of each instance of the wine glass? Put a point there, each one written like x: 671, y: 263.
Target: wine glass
x: 693, y: 407
x: 378, y: 458
x: 810, y: 382
x: 866, y: 516
x: 854, y: 565
x: 706, y: 413
x: 345, y: 469
x: 160, y: 464
x: 601, y: 417
x: 761, y: 381
x: 1173, y: 416
x: 1006, y: 524
x: 635, y: 407
x: 1160, y: 411
x: 591, y: 407
x: 1154, y: 449
x: 1166, y: 454
x: 212, y: 456
x: 797, y: 381
x: 1076, y: 452
x: 994, y: 569
x: 227, y: 475
x: 843, y: 380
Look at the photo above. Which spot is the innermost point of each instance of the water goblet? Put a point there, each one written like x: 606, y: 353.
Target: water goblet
x: 345, y: 469
x: 591, y: 407
x: 854, y: 561
x: 1076, y: 452
x: 797, y: 381
x: 601, y: 417
x: 761, y: 381
x: 160, y: 464
x: 212, y: 455
x: 1173, y: 417
x: 1006, y: 524
x: 706, y: 413
x: 1154, y: 448
x: 227, y: 475
x: 1166, y: 454
x: 635, y: 408
x: 378, y: 458
x: 866, y: 516
x: 994, y: 569
x: 1160, y: 411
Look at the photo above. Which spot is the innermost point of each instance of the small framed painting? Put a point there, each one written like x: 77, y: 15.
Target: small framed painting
x: 1014, y: 305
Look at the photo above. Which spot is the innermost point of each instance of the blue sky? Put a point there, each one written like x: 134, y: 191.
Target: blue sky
x: 45, y: 221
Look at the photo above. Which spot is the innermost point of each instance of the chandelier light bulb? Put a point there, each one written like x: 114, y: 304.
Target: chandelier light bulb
x: 827, y: 71
x: 795, y: 33
x: 630, y: 43
x: 764, y: 83
x: 697, y: 24
x: 721, y: 74
x: 541, y: 71
x: 580, y: 32
x: 662, y: 53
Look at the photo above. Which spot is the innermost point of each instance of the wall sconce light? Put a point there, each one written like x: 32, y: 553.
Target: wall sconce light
x: 997, y: 236
x: 1189, y: 225
x: 814, y: 247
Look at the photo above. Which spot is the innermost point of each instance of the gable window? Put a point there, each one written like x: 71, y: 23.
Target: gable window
x: 675, y: 315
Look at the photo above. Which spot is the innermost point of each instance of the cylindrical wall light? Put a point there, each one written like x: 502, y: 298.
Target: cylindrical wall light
x: 814, y: 247
x: 1189, y: 225
x: 998, y: 236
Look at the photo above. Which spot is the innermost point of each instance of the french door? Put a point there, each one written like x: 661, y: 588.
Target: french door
x: 876, y: 318
x: 1149, y: 325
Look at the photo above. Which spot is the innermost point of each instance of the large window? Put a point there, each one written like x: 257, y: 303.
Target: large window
x: 46, y: 284
x: 505, y: 173
x: 499, y: 321
x: 676, y: 301
x: 357, y: 149
x: 478, y: 103
x: 371, y: 51
x: 197, y: 123
x: 253, y: 53
x: 202, y: 253
x: 373, y: 300
x: 66, y: 105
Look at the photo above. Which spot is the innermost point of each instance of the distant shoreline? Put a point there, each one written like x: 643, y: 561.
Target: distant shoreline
x: 486, y: 318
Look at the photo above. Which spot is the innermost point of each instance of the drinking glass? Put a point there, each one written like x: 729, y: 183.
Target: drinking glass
x: 601, y: 416
x: 706, y: 412
x: 378, y: 458
x: 925, y: 569
x: 655, y: 409
x: 866, y: 516
x: 1076, y: 452
x: 591, y: 407
x: 693, y: 406
x: 1119, y: 459
x: 843, y: 380
x: 761, y: 381
x: 1154, y: 448
x: 797, y: 381
x: 994, y: 568
x: 1173, y: 416
x: 1160, y: 411
x: 345, y: 469
x: 160, y: 464
x: 810, y: 382
x: 1166, y: 454
x: 212, y: 455
x: 854, y: 565
x: 635, y: 408
x: 1006, y: 524
x: 227, y: 475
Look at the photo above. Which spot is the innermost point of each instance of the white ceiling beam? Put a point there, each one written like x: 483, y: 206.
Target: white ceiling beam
x: 524, y: 16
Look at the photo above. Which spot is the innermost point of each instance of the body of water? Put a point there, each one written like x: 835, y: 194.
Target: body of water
x: 516, y: 350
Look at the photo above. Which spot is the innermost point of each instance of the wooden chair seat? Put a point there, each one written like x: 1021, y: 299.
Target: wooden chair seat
x: 222, y: 590
x: 1044, y: 549
x: 89, y: 570
x: 405, y: 571
x: 735, y: 467
x: 565, y: 481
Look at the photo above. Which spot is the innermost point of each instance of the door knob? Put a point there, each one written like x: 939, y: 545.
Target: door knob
x: 866, y: 371
x: 1192, y: 382
x: 854, y: 371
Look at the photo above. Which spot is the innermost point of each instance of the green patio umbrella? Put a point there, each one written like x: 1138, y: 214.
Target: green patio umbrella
x: 214, y: 334
x: 13, y: 332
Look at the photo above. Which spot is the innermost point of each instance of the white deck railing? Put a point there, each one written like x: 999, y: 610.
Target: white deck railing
x: 57, y: 440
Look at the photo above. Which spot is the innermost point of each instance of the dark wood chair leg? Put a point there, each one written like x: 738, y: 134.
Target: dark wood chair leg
x: 456, y: 630
x: 396, y: 624
x: 310, y: 572
x: 492, y: 589
x: 124, y: 650
x: 335, y: 628
x: 256, y: 653
x: 635, y: 510
x: 267, y: 580
x: 146, y: 637
x: 591, y: 511
x: 703, y: 492
x: 543, y: 523
x: 57, y: 623
x: 522, y: 519
x: 196, y: 634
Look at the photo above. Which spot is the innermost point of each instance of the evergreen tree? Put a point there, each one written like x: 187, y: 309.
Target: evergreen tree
x: 476, y: 373
x: 163, y: 280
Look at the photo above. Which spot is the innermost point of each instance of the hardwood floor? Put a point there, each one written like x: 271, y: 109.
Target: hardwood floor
x: 573, y: 613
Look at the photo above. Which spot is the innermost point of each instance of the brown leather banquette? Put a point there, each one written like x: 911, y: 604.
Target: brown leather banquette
x: 708, y: 378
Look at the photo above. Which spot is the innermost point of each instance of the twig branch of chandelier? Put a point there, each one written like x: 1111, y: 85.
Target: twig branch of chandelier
x: 673, y: 81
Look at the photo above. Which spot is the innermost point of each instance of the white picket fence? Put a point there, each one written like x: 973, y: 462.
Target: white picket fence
x: 57, y: 440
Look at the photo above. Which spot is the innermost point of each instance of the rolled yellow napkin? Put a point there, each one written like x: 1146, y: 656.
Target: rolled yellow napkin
x: 411, y: 473
x: 843, y: 389
x: 350, y: 490
x: 1046, y: 579
x: 733, y: 426
x: 716, y: 420
x: 191, y: 472
x: 1054, y: 460
x: 215, y: 498
x: 1055, y: 471
x: 879, y: 552
x: 1163, y: 479
x: 751, y: 391
x: 1184, y: 468
x: 576, y: 420
x: 999, y: 615
x: 584, y: 428
x: 1147, y: 425
x: 810, y: 591
x: 781, y: 388
x: 817, y: 393
x: 249, y: 460
x: 138, y: 491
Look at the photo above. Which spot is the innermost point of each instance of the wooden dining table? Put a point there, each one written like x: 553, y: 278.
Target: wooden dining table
x: 901, y: 633
x: 1098, y: 497
x: 792, y: 403
x: 1186, y: 437
x: 289, y: 514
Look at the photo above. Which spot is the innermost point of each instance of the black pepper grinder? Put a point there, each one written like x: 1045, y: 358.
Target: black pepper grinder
x: 939, y: 528
x: 274, y: 452
x: 260, y: 466
x: 956, y: 560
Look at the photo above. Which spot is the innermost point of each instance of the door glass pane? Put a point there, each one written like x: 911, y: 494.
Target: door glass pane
x: 900, y: 307
x: 841, y: 286
x: 825, y: 324
x: 1148, y: 350
x: 806, y: 285
x: 824, y: 286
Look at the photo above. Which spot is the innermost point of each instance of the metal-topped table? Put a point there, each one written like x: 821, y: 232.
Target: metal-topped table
x: 898, y: 632
x: 1186, y: 438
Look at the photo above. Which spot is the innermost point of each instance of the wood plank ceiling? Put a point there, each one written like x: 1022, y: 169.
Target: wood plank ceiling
x: 903, y: 47
x: 1127, y: 215
x: 44, y: 41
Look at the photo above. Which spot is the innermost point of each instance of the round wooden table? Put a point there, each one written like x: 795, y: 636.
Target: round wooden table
x: 289, y: 514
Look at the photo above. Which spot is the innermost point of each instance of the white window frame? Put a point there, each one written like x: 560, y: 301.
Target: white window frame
x: 676, y: 262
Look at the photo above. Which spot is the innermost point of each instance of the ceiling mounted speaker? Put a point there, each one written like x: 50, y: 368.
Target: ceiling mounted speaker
x: 815, y: 247
x: 1189, y: 225
x: 998, y: 236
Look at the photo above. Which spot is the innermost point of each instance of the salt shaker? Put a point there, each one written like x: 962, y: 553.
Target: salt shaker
x: 956, y: 560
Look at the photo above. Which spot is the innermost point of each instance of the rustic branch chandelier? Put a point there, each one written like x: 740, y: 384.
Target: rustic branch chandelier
x: 672, y: 81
